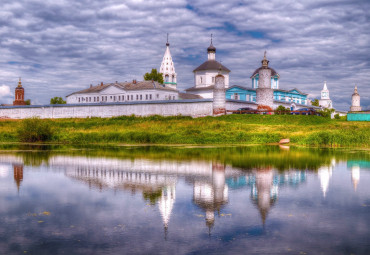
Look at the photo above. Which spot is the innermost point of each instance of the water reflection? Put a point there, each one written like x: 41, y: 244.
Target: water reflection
x: 196, y: 183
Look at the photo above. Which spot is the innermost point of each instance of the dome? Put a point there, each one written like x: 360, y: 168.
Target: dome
x: 273, y: 72
x: 211, y: 48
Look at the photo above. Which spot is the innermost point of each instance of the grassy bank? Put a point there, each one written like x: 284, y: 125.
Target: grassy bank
x: 230, y: 129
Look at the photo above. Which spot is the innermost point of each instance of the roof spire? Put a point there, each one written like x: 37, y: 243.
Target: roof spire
x: 19, y: 82
x: 167, y: 44
x: 265, y: 62
x: 211, y: 48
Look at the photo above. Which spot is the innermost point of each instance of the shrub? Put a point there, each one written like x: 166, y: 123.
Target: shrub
x: 280, y: 110
x: 35, y: 130
x: 336, y: 116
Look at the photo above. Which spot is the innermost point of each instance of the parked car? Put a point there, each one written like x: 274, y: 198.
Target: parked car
x: 245, y: 110
x: 305, y: 111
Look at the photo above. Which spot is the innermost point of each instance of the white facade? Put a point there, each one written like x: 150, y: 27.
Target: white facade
x: 207, y: 78
x: 168, y: 68
x: 117, y: 93
x: 325, y: 98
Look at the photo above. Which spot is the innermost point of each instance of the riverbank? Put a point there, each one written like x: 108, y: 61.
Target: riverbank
x: 229, y: 129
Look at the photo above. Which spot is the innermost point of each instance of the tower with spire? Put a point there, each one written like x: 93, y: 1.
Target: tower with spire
x: 325, y: 98
x: 168, y: 69
x: 356, y: 106
x: 19, y: 94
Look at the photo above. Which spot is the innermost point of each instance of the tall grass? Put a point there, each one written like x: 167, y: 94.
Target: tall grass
x: 229, y: 129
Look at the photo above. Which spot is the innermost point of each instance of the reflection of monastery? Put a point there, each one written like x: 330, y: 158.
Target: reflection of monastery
x: 156, y: 181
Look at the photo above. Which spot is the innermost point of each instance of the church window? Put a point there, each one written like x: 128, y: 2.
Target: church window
x: 137, y: 97
x: 146, y: 97
x: 78, y: 99
x: 97, y: 99
x: 114, y: 98
x: 201, y: 80
x: 166, y: 78
x: 123, y: 98
x: 132, y: 97
x: 141, y: 97
x: 157, y: 95
x: 150, y: 96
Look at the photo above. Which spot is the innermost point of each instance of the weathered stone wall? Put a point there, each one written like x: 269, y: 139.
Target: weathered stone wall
x: 356, y: 105
x: 219, y: 100
x: 194, y: 108
x: 265, y: 95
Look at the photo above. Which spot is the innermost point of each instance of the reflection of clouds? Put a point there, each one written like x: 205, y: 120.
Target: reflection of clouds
x: 4, y: 171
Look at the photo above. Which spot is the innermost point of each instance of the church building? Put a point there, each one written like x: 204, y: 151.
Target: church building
x: 205, y: 75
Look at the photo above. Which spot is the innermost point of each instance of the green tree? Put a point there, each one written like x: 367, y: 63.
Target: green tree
x: 28, y: 102
x: 326, y: 112
x: 57, y: 100
x: 154, y: 75
x: 315, y: 102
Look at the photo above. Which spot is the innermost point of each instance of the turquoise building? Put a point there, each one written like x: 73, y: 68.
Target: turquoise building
x: 293, y: 97
x: 237, y: 92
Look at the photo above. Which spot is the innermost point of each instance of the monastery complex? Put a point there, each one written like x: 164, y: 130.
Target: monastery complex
x: 211, y: 94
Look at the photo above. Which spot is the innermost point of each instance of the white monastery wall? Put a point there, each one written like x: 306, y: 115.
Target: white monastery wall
x: 192, y: 108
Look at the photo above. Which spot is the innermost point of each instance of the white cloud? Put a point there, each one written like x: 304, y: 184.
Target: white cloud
x: 5, y: 91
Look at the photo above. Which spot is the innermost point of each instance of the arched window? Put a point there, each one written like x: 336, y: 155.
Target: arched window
x: 166, y: 78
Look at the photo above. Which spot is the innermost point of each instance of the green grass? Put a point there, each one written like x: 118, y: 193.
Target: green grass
x: 230, y: 129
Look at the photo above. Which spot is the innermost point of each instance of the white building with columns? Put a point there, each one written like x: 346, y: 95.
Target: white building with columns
x: 205, y: 75
x: 168, y: 68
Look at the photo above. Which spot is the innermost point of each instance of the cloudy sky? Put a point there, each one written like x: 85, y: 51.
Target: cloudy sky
x: 59, y: 47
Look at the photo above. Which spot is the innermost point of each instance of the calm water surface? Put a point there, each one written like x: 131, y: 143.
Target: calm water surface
x: 178, y: 200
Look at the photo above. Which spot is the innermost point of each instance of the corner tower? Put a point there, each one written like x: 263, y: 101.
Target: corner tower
x: 168, y: 69
x: 356, y: 106
x: 19, y: 94
x: 265, y: 94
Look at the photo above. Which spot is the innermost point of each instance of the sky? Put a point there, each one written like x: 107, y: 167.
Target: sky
x: 59, y: 47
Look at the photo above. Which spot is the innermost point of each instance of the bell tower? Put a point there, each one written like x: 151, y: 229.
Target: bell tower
x: 19, y: 94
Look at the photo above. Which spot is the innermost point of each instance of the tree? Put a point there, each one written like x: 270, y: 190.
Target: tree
x: 315, y: 102
x: 28, y: 102
x: 154, y: 75
x: 57, y: 100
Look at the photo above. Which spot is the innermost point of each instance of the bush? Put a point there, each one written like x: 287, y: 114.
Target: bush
x: 336, y: 116
x: 280, y: 110
x: 35, y: 130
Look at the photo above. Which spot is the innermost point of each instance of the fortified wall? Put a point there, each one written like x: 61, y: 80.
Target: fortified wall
x: 193, y: 108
